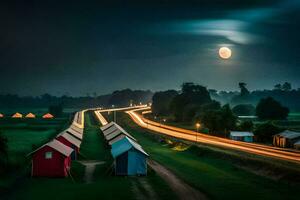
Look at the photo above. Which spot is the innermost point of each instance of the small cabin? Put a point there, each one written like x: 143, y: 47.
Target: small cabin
x: 70, y: 141
x: 129, y: 158
x: 286, y: 139
x: 241, y: 136
x: 53, y: 159
x: 48, y: 116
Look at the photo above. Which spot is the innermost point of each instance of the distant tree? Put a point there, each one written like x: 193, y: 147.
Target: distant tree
x: 246, y: 126
x: 265, y: 131
x: 278, y: 86
x: 192, y: 96
x: 3, y: 150
x: 219, y: 121
x: 244, y: 109
x: 56, y: 110
x: 286, y: 86
x: 161, y: 102
x: 244, y: 90
x: 269, y: 108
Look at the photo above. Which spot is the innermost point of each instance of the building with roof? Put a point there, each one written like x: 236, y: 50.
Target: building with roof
x: 53, y: 159
x: 48, y: 116
x: 286, y: 139
x: 30, y: 115
x: 241, y: 136
x: 129, y: 157
x: 75, y: 133
x: 77, y: 129
x: 71, y: 141
x: 17, y: 115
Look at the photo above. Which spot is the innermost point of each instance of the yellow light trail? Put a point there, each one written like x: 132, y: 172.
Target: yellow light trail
x: 258, y: 149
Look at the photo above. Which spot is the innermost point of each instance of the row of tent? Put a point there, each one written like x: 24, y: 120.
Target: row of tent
x: 29, y: 115
x: 129, y: 157
x: 54, y: 158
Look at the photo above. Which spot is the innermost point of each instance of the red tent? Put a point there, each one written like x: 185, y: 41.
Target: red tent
x: 70, y: 141
x: 51, y: 160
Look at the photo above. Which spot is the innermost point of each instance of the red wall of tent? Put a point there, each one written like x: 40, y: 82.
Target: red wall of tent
x: 58, y: 166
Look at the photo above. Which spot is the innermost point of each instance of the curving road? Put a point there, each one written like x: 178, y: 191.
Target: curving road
x: 258, y: 149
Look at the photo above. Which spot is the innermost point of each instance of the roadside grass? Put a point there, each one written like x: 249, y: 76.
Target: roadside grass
x: 216, y: 176
x: 105, y: 185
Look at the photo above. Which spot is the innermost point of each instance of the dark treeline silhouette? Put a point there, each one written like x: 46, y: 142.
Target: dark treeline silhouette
x: 284, y: 93
x: 117, y: 98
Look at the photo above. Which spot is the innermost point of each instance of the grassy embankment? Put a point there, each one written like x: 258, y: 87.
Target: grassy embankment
x: 210, y: 171
x: 105, y: 186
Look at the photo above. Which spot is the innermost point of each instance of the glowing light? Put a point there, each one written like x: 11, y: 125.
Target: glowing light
x: 225, y: 52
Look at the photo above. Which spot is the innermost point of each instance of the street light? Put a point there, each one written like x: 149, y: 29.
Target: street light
x: 198, y: 125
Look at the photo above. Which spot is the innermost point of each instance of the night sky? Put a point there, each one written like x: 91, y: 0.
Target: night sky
x: 79, y: 48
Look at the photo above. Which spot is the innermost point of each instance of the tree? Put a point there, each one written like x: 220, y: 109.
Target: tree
x: 244, y: 110
x: 286, y: 87
x: 219, y: 121
x: 161, y: 102
x: 269, y: 108
x: 3, y: 149
x: 192, y: 96
x: 244, y: 90
x: 265, y: 131
x: 278, y: 86
x: 246, y: 126
x: 56, y: 110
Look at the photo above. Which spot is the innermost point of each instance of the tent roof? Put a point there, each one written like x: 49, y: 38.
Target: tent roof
x: 76, y: 128
x: 17, y: 115
x: 289, y: 134
x: 123, y: 145
x: 241, y: 133
x: 117, y: 132
x: 103, y: 128
x: 70, y: 138
x: 30, y: 115
x: 48, y: 115
x: 58, y: 146
x: 75, y: 133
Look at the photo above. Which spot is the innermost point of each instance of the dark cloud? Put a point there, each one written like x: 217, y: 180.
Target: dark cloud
x: 75, y: 47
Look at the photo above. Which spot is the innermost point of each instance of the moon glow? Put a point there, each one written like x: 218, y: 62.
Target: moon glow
x: 225, y: 53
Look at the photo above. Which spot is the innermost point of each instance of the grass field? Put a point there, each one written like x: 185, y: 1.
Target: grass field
x: 105, y: 185
x: 214, y: 175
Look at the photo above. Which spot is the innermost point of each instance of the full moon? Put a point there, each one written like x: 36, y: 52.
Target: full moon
x: 225, y: 52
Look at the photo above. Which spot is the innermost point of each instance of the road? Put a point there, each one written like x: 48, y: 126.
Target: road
x: 257, y: 149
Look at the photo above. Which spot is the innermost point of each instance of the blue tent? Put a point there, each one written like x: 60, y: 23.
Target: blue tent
x: 130, y: 158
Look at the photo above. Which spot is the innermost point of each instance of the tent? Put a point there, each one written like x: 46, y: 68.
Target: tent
x: 48, y: 116
x: 53, y: 159
x: 286, y: 138
x: 70, y: 141
x: 17, y: 115
x: 1, y: 115
x: 74, y: 133
x: 129, y: 157
x: 241, y: 136
x: 30, y: 115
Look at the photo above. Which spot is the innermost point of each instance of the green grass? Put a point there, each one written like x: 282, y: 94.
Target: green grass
x: 105, y: 186
x: 216, y: 176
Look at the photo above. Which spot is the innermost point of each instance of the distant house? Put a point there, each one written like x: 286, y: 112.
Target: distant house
x: 53, y: 159
x: 241, y: 136
x: 70, y: 141
x: 129, y: 158
x: 48, y: 116
x: 30, y: 115
x: 1, y: 115
x: 286, y: 139
x: 17, y: 115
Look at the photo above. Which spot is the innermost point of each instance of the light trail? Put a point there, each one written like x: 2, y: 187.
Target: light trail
x: 258, y: 149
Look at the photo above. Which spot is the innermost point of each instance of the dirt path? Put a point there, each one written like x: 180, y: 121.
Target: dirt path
x: 142, y: 189
x: 181, y: 189
x: 90, y: 166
